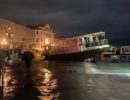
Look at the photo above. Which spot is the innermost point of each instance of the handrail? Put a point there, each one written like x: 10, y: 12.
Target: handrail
x: 96, y: 43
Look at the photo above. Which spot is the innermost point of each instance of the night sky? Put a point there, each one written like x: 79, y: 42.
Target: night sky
x: 73, y: 17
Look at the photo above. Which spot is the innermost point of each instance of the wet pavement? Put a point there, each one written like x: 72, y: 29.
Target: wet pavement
x: 67, y: 81
x: 41, y: 85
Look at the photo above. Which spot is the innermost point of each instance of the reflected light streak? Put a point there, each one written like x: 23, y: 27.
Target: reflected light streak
x: 9, y: 84
x: 47, y: 86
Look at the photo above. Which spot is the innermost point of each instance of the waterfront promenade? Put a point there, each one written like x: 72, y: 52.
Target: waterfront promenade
x: 68, y: 81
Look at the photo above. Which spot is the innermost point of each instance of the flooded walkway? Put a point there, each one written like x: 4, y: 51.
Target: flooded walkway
x: 67, y: 81
x: 42, y: 85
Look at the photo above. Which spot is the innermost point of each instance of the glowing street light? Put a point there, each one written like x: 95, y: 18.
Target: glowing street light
x: 3, y: 43
x: 47, y: 44
x: 47, y: 41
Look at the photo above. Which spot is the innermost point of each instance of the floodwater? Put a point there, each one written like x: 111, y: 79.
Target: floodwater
x: 67, y: 81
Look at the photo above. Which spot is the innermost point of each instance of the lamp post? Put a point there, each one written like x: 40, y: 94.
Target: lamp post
x: 9, y: 36
x: 47, y: 43
x: 47, y: 46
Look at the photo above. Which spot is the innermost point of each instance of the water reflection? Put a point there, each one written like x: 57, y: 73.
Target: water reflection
x: 10, y: 82
x: 46, y: 84
x: 42, y: 79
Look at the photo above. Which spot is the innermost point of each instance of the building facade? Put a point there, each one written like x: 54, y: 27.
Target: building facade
x: 23, y: 37
x: 43, y: 36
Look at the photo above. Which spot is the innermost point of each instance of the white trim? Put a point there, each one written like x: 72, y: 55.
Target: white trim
x: 96, y: 47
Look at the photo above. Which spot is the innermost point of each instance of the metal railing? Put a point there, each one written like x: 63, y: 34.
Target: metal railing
x: 101, y: 42
x: 95, y: 43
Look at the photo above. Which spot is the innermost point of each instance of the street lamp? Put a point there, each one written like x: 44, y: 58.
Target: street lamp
x: 9, y: 36
x: 47, y: 41
x: 3, y: 43
x: 47, y: 44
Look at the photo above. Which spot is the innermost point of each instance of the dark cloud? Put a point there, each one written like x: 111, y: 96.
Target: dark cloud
x: 73, y: 17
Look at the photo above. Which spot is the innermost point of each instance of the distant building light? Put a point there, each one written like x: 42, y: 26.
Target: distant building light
x: 47, y: 48
x: 47, y: 41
